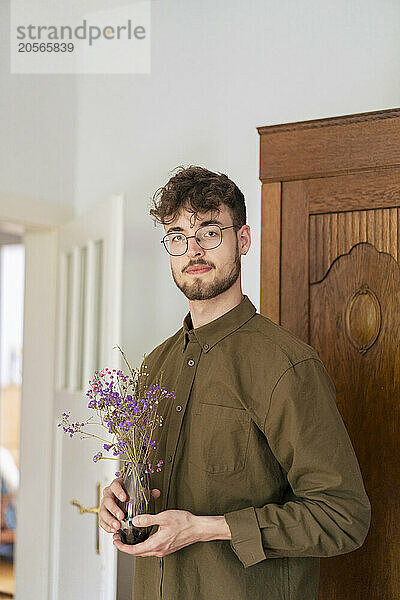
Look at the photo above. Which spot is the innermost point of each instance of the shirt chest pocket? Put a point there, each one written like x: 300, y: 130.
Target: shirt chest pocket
x: 219, y: 438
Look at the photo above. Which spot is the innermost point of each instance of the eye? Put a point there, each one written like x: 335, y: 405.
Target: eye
x: 176, y: 238
x: 213, y: 233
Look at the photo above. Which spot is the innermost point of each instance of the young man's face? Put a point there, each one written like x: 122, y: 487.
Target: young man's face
x: 224, y: 261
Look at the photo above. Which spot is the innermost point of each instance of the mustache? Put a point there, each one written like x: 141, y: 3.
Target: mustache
x: 202, y: 264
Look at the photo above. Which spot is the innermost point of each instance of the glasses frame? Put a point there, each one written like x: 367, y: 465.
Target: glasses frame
x: 194, y: 236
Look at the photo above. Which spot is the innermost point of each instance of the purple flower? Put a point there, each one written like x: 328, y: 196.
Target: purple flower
x: 97, y: 457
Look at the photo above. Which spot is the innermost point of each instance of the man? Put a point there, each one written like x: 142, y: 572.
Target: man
x: 260, y: 478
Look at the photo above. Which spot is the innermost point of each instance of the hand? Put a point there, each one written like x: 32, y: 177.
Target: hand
x: 177, y: 528
x: 109, y: 511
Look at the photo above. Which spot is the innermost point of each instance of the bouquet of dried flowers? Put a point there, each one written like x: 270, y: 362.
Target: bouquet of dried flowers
x: 128, y: 409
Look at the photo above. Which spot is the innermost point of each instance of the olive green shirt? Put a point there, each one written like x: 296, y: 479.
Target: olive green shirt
x: 253, y: 434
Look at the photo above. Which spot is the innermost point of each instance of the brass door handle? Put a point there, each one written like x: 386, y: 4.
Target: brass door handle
x: 94, y: 510
x: 82, y: 509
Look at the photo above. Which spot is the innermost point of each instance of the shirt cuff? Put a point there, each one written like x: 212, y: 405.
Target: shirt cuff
x: 246, y: 539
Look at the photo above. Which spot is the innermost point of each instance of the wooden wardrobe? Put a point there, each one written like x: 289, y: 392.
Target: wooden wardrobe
x: 330, y: 252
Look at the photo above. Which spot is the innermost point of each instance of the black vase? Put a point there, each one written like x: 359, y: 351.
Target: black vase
x: 139, y: 501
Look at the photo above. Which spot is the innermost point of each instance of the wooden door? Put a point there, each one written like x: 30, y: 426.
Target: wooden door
x: 334, y: 279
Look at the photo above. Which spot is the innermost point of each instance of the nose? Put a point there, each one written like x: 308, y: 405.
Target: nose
x: 193, y: 248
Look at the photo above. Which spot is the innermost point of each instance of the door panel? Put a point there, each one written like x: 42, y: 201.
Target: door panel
x: 84, y: 559
x: 334, y: 234
x: 355, y: 328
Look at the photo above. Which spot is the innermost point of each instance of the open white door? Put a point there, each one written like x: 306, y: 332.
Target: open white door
x: 83, y: 559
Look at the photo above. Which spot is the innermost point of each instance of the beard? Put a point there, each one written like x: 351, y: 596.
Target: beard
x: 201, y: 290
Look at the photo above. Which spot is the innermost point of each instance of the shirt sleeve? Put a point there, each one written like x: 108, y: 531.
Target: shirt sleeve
x: 328, y: 511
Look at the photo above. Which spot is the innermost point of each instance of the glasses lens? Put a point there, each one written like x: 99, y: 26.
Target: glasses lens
x: 209, y: 236
x: 175, y: 243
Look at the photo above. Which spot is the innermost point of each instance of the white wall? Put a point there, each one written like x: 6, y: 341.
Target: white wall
x: 37, y: 129
x: 219, y: 70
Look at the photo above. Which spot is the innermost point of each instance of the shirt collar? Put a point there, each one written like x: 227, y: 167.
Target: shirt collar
x: 211, y: 333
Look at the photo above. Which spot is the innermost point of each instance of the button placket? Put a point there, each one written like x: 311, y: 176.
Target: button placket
x: 182, y: 392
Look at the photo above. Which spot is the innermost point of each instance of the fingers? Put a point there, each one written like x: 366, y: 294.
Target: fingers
x: 109, y: 528
x: 109, y: 511
x: 117, y: 489
x: 110, y: 514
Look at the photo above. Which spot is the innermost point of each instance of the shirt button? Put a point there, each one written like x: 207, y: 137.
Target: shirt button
x: 190, y: 362
x: 179, y: 408
x: 169, y: 459
x: 206, y: 346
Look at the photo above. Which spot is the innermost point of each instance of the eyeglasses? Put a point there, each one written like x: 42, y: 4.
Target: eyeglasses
x: 207, y: 237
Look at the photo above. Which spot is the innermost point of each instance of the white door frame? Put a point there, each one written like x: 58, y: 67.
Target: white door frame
x: 37, y: 222
x: 18, y: 213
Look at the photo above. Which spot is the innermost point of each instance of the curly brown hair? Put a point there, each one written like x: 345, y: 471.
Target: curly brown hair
x: 198, y: 190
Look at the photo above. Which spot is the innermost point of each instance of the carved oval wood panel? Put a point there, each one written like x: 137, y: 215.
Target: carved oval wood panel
x: 363, y: 317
